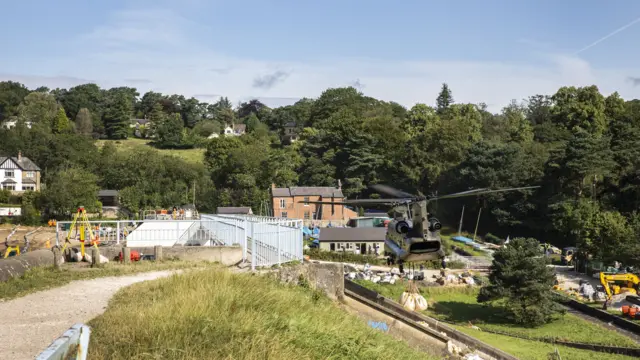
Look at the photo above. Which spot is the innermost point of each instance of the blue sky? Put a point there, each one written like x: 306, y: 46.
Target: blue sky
x: 488, y: 51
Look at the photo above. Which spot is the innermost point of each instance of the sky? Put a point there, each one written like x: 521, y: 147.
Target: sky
x: 279, y: 51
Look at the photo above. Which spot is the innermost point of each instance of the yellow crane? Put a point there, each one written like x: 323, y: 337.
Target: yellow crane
x: 630, y: 283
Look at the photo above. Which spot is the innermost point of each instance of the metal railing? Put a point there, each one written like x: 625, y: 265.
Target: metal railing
x: 268, y: 240
x: 73, y: 344
x: 275, y: 240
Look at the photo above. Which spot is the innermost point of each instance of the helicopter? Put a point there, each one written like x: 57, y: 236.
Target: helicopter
x: 414, y: 234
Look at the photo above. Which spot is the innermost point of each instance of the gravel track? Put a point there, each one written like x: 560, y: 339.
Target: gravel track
x: 31, y: 323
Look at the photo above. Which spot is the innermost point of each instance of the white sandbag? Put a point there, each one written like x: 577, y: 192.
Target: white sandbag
x: 367, y: 277
x: 352, y: 275
x: 375, y: 278
x: 421, y: 303
x: 78, y: 257
x: 103, y: 259
x: 404, y: 297
x: 87, y: 257
x: 392, y: 281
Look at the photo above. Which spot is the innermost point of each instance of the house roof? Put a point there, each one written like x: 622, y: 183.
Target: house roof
x: 240, y: 127
x: 24, y: 163
x: 234, y: 210
x: 307, y: 191
x: 352, y: 234
x: 9, y: 181
x: 140, y: 121
x: 107, y: 193
x: 290, y: 124
x: 28, y: 181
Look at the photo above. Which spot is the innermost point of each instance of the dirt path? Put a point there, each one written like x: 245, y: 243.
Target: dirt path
x: 29, y: 324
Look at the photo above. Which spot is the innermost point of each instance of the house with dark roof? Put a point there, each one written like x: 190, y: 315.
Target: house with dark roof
x: 291, y: 133
x: 19, y: 174
x: 365, y: 240
x: 291, y: 203
x: 240, y: 210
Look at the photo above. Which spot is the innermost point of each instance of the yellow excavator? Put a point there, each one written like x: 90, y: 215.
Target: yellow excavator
x: 630, y: 284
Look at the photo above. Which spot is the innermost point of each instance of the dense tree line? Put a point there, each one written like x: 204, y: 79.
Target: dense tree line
x: 580, y: 146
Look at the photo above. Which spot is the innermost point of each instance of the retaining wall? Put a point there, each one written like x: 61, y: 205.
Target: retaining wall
x: 18, y: 265
x: 225, y: 255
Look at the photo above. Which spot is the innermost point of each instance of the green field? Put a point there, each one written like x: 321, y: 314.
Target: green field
x: 214, y: 314
x: 459, y: 307
x: 190, y: 155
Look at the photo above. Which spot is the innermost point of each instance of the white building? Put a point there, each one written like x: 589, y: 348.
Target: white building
x: 235, y: 130
x: 19, y: 174
x: 8, y: 124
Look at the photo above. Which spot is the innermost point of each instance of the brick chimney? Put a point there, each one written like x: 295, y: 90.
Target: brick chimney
x: 19, y: 155
x: 339, y: 184
x: 273, y: 185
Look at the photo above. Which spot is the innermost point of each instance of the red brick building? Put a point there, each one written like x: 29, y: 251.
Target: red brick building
x: 289, y: 203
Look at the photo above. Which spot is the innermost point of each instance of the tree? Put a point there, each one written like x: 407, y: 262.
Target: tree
x: 521, y: 282
x: 84, y: 123
x: 69, y: 189
x: 444, y: 100
x: 169, y: 132
x: 60, y: 123
x: 38, y: 107
x: 11, y: 95
x: 117, y: 115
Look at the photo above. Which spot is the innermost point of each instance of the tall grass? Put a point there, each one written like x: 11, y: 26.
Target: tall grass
x: 214, y: 314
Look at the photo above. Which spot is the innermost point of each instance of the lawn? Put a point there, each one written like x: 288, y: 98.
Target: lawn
x: 190, y: 155
x: 459, y: 307
x: 42, y: 278
x: 214, y: 314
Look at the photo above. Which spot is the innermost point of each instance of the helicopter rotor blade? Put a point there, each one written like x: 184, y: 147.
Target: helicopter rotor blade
x: 481, y: 192
x: 386, y: 189
x: 358, y: 201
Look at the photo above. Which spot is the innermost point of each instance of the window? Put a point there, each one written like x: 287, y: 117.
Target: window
x: 284, y: 214
x: 306, y: 201
x: 282, y: 203
x: 9, y: 187
x: 332, y: 246
x: 28, y: 187
x: 306, y: 215
x: 31, y: 174
x: 8, y: 173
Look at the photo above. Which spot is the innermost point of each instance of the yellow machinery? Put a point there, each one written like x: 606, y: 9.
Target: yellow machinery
x: 16, y: 248
x: 83, y: 226
x: 10, y: 248
x: 630, y: 284
x: 568, y: 255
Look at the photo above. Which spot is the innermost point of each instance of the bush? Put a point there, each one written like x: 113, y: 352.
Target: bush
x: 490, y: 238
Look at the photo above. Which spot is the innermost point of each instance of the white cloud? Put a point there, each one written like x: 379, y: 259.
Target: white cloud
x: 158, y: 48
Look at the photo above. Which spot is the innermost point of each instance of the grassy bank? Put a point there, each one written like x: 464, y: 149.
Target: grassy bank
x: 42, y: 278
x: 214, y: 314
x: 190, y: 155
x: 459, y: 307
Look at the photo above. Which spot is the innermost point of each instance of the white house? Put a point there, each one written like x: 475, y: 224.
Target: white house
x: 235, y: 130
x: 19, y: 174
x: 12, y: 123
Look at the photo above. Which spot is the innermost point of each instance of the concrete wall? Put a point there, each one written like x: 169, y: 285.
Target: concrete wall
x: 225, y: 255
x: 327, y: 277
x: 18, y: 265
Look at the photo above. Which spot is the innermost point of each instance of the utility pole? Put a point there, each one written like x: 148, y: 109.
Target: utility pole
x: 477, y: 222
x: 194, y: 193
x: 460, y: 226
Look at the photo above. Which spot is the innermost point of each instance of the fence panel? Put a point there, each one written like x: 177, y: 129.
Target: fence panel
x: 267, y: 240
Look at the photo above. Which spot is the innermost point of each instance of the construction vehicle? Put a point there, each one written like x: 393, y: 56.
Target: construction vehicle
x: 568, y: 255
x: 627, y: 283
x: 13, y: 249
